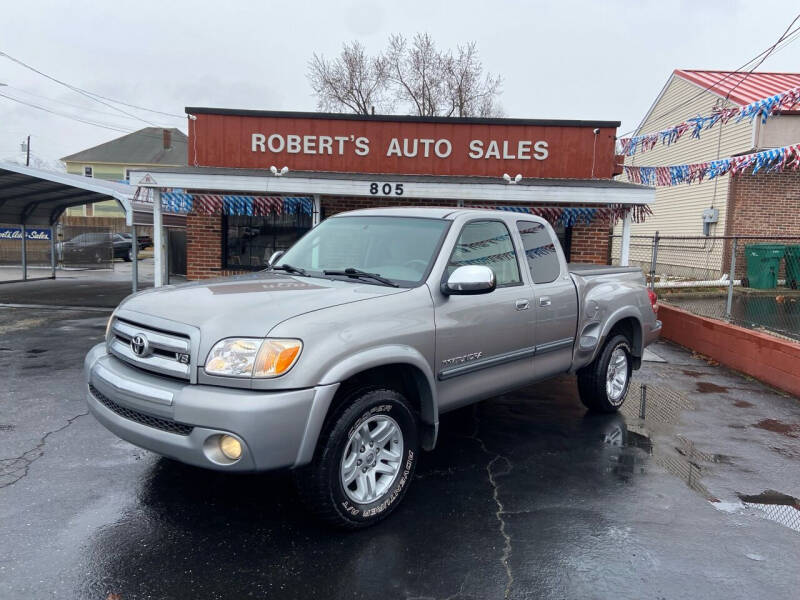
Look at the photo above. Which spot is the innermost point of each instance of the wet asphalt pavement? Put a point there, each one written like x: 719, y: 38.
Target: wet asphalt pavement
x: 526, y: 496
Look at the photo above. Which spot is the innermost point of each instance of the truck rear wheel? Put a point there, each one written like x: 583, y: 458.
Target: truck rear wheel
x: 364, y: 462
x: 603, y: 384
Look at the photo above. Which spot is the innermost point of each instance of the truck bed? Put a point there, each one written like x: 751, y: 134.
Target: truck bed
x: 588, y: 269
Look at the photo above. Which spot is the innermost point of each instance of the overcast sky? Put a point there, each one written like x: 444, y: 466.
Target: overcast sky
x: 571, y: 60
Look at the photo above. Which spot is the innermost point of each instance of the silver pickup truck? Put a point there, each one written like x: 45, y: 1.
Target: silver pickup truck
x: 337, y: 361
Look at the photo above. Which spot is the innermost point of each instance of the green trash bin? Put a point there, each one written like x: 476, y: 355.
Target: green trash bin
x: 793, y: 266
x: 763, y: 263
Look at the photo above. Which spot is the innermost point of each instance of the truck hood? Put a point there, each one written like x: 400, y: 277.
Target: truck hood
x: 249, y: 305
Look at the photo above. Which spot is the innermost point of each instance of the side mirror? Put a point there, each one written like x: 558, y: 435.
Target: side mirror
x: 275, y: 256
x: 471, y: 279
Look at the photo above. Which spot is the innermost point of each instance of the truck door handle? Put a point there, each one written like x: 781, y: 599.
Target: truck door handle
x: 522, y: 304
x: 545, y: 301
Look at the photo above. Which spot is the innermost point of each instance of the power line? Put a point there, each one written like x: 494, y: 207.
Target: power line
x: 80, y: 120
x: 65, y: 103
x: 783, y: 41
x: 759, y: 63
x: 91, y: 95
x: 74, y: 118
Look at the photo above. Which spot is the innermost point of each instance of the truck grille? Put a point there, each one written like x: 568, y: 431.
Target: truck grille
x: 138, y: 417
x: 162, y: 352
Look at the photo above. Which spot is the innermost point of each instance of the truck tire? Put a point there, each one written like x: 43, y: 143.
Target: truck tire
x: 602, y: 385
x: 364, y: 462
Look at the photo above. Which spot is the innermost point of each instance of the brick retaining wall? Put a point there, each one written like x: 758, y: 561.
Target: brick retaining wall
x: 764, y: 357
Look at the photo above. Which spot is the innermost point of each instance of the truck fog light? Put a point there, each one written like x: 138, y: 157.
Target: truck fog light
x: 230, y: 447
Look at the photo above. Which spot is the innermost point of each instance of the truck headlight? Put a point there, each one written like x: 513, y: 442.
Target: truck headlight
x: 108, y: 325
x: 252, y: 357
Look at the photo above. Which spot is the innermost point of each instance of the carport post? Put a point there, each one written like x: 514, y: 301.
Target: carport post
x: 24, y: 254
x: 52, y: 251
x: 135, y: 260
x: 625, y: 251
x: 158, y: 240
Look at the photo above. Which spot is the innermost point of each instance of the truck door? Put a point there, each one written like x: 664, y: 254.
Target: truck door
x: 555, y: 301
x: 484, y: 343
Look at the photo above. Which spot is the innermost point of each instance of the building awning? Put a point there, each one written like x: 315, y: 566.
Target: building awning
x: 493, y: 190
x: 37, y: 197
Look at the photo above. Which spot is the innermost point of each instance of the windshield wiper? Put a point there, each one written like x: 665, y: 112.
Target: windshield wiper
x: 358, y: 274
x: 289, y: 269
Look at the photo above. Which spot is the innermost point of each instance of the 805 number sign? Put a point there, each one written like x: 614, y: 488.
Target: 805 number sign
x: 386, y: 189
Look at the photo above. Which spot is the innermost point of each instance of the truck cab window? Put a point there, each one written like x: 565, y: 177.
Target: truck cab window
x: 540, y: 252
x: 487, y: 243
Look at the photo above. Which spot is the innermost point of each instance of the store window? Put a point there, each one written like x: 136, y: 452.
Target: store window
x: 250, y: 241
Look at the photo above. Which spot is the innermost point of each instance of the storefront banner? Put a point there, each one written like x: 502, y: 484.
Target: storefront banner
x: 403, y: 145
x: 15, y: 233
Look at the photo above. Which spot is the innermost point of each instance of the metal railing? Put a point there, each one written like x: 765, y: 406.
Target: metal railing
x: 751, y: 281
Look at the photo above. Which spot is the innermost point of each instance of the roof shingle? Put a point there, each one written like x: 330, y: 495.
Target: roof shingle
x: 143, y: 147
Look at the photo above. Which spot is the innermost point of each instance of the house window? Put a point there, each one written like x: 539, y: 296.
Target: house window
x: 250, y: 241
x: 127, y: 174
x: 88, y: 172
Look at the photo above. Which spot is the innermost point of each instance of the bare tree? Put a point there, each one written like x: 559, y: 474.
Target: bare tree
x: 418, y: 73
x: 470, y: 92
x: 352, y: 81
x: 425, y: 80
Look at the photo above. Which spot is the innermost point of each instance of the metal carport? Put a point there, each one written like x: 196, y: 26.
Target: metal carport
x: 36, y: 198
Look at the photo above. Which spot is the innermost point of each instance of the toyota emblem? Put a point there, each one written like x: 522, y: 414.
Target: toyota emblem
x: 140, y: 345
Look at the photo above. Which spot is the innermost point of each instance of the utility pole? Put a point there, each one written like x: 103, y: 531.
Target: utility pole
x: 28, y: 152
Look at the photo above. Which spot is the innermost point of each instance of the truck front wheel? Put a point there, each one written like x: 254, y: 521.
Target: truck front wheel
x: 364, y: 462
x: 603, y: 384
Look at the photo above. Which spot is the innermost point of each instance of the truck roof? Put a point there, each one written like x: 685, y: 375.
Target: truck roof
x: 432, y: 212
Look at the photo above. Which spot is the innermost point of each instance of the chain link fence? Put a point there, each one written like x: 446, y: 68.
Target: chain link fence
x: 751, y: 281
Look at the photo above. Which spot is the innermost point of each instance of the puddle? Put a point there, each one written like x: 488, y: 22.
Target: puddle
x: 37, y: 351
x: 645, y: 435
x: 743, y: 404
x: 705, y: 387
x: 775, y: 426
x: 776, y: 506
x: 691, y: 373
x: 651, y: 414
x: 4, y: 427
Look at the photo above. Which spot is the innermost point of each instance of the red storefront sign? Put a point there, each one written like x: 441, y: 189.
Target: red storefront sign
x: 401, y: 145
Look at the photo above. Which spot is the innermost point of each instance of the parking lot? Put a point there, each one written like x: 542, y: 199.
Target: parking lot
x: 691, y: 492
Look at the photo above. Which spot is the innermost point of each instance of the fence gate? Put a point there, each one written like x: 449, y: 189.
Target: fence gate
x: 86, y: 247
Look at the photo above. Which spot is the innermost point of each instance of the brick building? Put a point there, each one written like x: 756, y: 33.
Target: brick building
x: 259, y: 179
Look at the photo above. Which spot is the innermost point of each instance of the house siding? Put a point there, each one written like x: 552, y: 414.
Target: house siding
x: 678, y: 210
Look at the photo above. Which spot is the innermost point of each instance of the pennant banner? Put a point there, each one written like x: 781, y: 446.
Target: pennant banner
x: 176, y: 202
x: 218, y: 204
x: 776, y: 160
x: 763, y: 108
x: 574, y: 215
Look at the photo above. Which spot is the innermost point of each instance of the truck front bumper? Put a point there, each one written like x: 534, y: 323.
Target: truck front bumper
x: 185, y: 421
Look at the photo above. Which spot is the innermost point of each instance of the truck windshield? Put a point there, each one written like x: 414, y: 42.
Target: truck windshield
x: 397, y: 248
